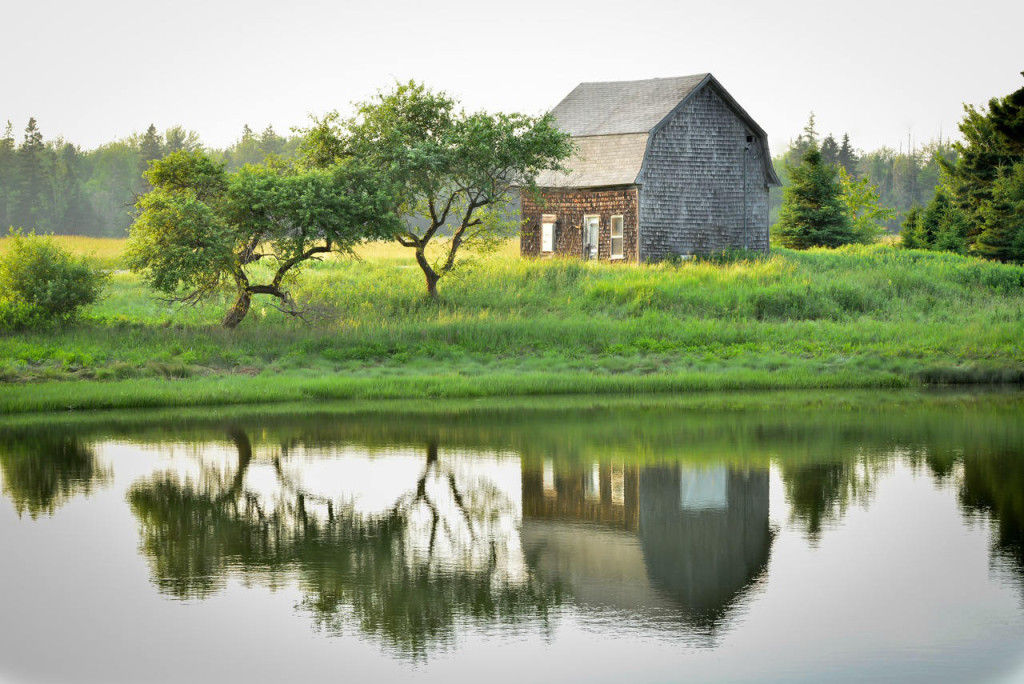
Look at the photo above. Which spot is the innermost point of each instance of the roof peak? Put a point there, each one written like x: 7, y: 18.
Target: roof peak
x: 700, y: 76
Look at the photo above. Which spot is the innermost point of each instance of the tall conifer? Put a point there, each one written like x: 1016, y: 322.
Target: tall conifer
x: 812, y: 213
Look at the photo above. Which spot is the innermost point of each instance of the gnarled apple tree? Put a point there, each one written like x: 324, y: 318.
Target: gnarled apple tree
x: 201, y: 230
x: 456, y: 171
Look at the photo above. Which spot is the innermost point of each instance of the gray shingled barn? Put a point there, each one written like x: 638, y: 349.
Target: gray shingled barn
x: 663, y: 167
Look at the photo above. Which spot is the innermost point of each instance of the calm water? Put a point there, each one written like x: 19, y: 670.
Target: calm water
x: 625, y: 544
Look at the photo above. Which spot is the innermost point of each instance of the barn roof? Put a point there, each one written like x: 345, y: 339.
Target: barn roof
x: 622, y: 106
x: 600, y: 160
x: 610, y: 123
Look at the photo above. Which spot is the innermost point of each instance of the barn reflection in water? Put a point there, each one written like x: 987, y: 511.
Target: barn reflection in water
x: 683, y: 541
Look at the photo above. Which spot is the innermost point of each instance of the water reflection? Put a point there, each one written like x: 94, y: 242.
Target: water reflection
x: 681, y: 540
x: 993, y: 485
x: 42, y: 472
x: 443, y: 548
x: 410, y: 533
x: 820, y: 493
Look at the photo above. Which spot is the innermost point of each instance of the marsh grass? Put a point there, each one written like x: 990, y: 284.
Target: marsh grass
x: 853, y: 317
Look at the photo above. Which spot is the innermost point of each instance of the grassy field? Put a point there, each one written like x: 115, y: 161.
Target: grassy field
x: 855, y: 317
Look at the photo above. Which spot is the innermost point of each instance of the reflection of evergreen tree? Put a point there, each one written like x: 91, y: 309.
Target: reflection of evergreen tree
x: 819, y: 493
x: 993, y: 483
x: 352, y: 568
x: 813, y: 491
x: 41, y: 473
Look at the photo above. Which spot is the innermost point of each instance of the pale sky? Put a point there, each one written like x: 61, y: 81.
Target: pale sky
x: 96, y: 71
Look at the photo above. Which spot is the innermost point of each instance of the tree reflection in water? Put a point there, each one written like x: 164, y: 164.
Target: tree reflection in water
x: 820, y: 493
x: 993, y: 484
x: 41, y: 472
x: 584, y: 522
x: 406, y: 574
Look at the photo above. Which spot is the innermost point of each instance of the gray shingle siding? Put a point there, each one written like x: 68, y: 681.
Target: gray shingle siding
x: 692, y: 189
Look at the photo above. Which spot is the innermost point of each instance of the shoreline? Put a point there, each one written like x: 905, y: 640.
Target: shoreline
x: 233, y: 393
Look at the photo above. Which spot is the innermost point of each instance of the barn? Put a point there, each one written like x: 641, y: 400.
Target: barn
x: 663, y: 168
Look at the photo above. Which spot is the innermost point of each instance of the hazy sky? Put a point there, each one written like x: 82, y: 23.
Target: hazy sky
x: 99, y: 70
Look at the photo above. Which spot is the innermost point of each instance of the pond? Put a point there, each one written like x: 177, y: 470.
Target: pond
x: 632, y: 541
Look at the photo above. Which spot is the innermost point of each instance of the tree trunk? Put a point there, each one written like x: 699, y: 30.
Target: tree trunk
x: 429, y: 274
x: 432, y: 279
x: 238, y: 311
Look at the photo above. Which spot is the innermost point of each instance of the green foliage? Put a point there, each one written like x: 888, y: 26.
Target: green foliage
x: 41, y: 283
x: 1002, y: 237
x: 903, y: 179
x: 200, y: 228
x: 863, y: 209
x: 178, y: 243
x: 452, y: 171
x: 908, y: 233
x: 813, y: 214
x: 979, y: 203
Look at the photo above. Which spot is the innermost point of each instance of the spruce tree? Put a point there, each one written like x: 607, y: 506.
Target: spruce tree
x: 932, y: 219
x: 1002, y: 237
x: 807, y: 139
x: 909, y: 228
x: 31, y: 186
x: 993, y: 141
x: 812, y: 213
x: 847, y: 158
x: 829, y: 150
x: 151, y: 148
x: 7, y: 176
x: 1008, y: 119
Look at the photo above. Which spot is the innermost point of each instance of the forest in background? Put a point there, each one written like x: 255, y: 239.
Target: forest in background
x: 54, y: 186
x: 905, y: 177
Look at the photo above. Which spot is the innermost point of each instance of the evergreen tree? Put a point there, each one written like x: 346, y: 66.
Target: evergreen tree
x: 931, y: 221
x: 1002, y: 237
x: 31, y: 185
x: 8, y: 173
x: 271, y: 143
x: 151, y: 147
x: 952, y: 232
x: 812, y: 213
x: 981, y: 154
x: 909, y: 229
x: 1008, y: 119
x: 847, y: 157
x: 829, y: 151
x: 245, y: 151
x: 75, y: 216
x: 807, y: 139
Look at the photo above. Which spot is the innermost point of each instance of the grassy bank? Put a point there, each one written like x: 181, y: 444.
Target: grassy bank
x: 856, y: 317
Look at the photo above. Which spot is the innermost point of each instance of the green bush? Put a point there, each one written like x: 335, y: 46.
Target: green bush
x: 40, y: 282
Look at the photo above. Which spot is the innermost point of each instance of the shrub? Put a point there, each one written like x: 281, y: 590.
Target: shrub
x: 40, y: 282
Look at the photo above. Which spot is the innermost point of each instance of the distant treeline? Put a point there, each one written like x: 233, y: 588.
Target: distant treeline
x: 904, y: 178
x: 53, y: 186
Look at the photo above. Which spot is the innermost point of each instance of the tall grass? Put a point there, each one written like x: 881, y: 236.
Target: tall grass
x: 857, y: 316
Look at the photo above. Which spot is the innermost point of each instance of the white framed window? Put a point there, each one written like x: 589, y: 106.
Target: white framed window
x: 547, y: 233
x: 618, y: 244
x: 591, y: 235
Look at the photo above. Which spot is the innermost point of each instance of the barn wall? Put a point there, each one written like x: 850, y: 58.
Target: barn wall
x: 692, y: 198
x: 569, y: 207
